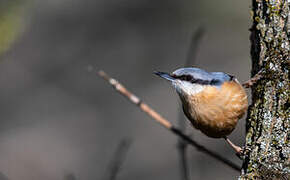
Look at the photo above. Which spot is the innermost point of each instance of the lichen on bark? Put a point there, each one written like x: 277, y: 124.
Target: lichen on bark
x: 268, y: 118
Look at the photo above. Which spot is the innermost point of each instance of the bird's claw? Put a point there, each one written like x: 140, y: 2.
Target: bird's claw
x: 242, y: 152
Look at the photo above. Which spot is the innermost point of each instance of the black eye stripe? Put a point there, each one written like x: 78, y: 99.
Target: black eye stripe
x: 183, y: 77
x: 189, y: 78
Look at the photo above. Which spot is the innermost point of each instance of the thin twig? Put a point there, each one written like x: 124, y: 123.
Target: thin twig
x: 254, y: 79
x: 195, y: 40
x: 118, y: 159
x: 181, y: 144
x: 182, y: 147
x: 165, y: 123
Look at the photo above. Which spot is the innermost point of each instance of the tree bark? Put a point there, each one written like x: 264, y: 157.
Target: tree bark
x: 268, y: 121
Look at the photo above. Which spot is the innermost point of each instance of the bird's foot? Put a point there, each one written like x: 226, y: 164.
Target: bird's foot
x: 242, y: 152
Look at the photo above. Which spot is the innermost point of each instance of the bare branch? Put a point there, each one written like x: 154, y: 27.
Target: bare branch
x: 165, y: 123
x: 118, y: 159
x: 194, y: 43
x: 181, y: 144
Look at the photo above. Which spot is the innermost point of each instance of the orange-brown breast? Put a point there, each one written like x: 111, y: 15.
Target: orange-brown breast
x: 216, y: 111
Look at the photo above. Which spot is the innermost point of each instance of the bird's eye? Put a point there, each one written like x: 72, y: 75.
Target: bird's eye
x: 183, y: 77
x: 188, y: 78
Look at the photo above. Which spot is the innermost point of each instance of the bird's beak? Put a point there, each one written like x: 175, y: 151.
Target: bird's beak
x: 164, y: 75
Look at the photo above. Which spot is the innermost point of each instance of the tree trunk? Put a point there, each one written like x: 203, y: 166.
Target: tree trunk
x: 268, y: 118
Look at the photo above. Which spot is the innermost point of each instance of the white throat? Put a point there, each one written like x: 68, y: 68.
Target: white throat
x: 187, y: 88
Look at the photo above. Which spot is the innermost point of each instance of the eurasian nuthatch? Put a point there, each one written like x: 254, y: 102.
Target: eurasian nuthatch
x: 212, y: 101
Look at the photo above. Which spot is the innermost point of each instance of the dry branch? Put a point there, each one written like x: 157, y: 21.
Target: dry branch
x: 181, y: 144
x: 118, y: 159
x: 165, y: 123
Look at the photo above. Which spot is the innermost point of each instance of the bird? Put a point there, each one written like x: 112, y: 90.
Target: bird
x: 212, y: 101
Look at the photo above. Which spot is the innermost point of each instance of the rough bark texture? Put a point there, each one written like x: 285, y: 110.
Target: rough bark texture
x: 268, y: 118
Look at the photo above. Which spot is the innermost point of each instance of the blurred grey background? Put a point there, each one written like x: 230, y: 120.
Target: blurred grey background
x: 60, y: 120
